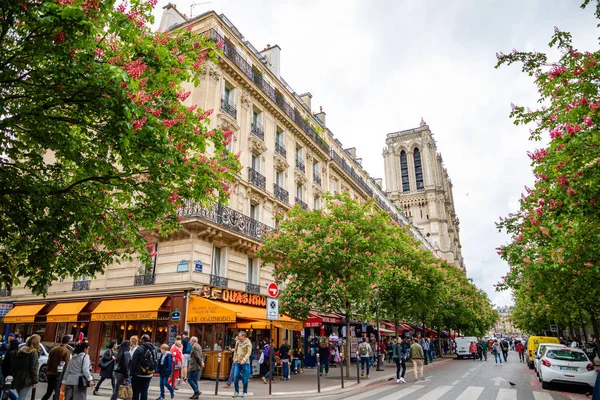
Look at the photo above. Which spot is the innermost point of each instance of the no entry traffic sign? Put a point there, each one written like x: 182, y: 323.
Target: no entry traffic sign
x: 273, y: 289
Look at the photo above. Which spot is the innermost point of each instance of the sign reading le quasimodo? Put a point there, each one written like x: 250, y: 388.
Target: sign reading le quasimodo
x: 134, y: 316
x: 233, y: 296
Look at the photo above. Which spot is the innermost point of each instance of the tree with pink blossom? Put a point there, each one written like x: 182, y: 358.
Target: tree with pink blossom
x: 100, y: 141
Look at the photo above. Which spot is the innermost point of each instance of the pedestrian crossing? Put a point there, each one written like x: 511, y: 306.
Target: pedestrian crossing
x: 424, y: 392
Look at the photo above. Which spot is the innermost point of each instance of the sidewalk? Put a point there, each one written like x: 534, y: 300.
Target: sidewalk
x: 299, y: 385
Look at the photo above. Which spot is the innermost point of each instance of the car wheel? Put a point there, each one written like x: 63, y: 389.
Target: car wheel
x: 530, y: 364
x: 43, y: 370
x: 545, y: 385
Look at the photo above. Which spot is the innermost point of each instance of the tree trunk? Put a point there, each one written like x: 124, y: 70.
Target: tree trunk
x: 396, y: 325
x: 439, y: 341
x: 348, y: 344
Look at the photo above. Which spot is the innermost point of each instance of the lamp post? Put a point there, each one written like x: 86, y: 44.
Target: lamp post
x: 378, y: 337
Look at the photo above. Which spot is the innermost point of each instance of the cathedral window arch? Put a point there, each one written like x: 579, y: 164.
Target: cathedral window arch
x: 404, y: 171
x: 418, y: 169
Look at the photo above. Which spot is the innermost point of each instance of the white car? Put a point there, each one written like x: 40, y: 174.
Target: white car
x: 566, y: 366
x: 540, y: 351
x: 43, y: 358
x: 462, y: 346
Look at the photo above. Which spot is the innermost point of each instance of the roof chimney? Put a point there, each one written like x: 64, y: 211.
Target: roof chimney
x: 170, y: 18
x: 321, y: 115
x: 306, y: 99
x: 273, y: 55
x: 352, y: 152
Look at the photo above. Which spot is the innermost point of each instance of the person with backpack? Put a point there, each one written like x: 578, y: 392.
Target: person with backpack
x: 107, y: 366
x: 121, y: 371
x: 165, y: 368
x: 8, y: 362
x: 25, y: 370
x: 186, y: 349
x: 267, y: 361
x: 497, y: 350
x: 504, y: 345
x: 399, y: 358
x: 366, y: 352
x: 142, y: 367
x: 194, y: 367
x: 57, y: 355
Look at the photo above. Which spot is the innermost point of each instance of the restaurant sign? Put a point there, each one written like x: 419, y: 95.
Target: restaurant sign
x: 233, y: 296
x: 127, y: 316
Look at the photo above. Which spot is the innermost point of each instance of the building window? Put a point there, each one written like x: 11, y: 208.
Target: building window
x: 218, y: 261
x: 252, y: 271
x: 404, y: 170
x: 299, y: 192
x: 317, y: 205
x: 254, y: 211
x: 228, y: 100
x: 279, y: 179
x: 334, y: 186
x: 418, y: 169
x: 255, y: 162
x: 150, y: 268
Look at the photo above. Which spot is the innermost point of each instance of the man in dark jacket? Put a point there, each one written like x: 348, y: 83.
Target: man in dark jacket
x: 194, y: 367
x: 140, y: 379
x: 57, y: 355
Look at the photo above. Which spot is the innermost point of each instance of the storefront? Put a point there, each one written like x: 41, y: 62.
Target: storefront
x: 317, y: 325
x: 216, y: 314
x: 27, y: 319
x: 72, y: 319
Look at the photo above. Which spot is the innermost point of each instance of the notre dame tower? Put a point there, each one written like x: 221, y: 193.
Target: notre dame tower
x: 418, y: 184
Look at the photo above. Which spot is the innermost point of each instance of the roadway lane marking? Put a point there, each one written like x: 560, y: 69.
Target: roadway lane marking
x: 542, y: 396
x: 369, y: 393
x: 473, y: 369
x: 507, y: 394
x: 436, y: 393
x: 402, y: 393
x: 471, y: 393
x: 455, y: 382
x: 465, y: 375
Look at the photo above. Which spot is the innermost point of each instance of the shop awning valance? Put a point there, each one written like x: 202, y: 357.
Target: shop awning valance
x: 316, y: 320
x: 133, y: 309
x: 66, y: 312
x: 288, y: 324
x: 23, y: 313
x: 202, y: 311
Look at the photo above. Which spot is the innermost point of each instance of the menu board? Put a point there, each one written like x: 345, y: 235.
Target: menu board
x: 173, y: 332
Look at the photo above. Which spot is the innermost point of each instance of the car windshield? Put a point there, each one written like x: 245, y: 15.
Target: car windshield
x: 566, y: 355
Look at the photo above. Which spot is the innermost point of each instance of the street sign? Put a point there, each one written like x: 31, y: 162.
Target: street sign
x: 272, y: 309
x: 273, y: 289
x: 553, y: 328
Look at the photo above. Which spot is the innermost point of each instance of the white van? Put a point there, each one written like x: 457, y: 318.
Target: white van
x: 462, y: 346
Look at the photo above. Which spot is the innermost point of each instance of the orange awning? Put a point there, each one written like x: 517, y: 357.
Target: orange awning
x: 66, y: 312
x: 202, y: 311
x: 133, y: 309
x: 23, y: 313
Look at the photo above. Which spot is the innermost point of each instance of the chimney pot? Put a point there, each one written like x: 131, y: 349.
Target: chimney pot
x: 175, y: 6
x: 320, y: 108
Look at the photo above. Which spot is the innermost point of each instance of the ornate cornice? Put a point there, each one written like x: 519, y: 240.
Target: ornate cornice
x: 256, y: 145
x: 281, y: 163
x: 299, y: 177
x: 226, y: 123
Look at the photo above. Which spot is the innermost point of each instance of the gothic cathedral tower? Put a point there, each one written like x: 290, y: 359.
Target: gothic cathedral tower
x: 418, y: 183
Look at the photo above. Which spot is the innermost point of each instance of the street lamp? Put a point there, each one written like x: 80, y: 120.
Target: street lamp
x: 378, y: 336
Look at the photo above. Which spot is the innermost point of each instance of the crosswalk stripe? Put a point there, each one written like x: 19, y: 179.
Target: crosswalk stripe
x: 370, y: 393
x: 470, y: 393
x: 507, y: 394
x: 542, y: 396
x: 465, y: 375
x: 436, y: 393
x: 455, y: 382
x: 402, y: 393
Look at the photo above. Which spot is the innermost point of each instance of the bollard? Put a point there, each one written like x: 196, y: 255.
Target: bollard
x: 60, y: 370
x: 218, y: 371
x: 342, y: 371
x: 5, y: 389
x: 357, y: 367
x: 173, y: 381
x: 33, y: 393
x: 318, y: 373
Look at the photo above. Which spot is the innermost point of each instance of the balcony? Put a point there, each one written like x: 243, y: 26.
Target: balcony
x: 144, y: 280
x: 257, y: 130
x: 280, y: 148
x: 218, y: 281
x: 317, y: 179
x: 252, y: 288
x: 255, y: 178
x: 5, y: 292
x: 229, y: 108
x: 347, y: 169
x: 300, y: 166
x: 227, y: 218
x: 302, y: 204
x: 79, y: 286
x: 272, y: 93
x: 281, y: 194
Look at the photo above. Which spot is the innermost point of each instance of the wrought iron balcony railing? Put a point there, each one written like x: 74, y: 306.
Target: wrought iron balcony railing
x: 226, y: 217
x: 143, y: 280
x: 302, y: 204
x: 252, y: 288
x: 355, y: 177
x: 300, y: 165
x: 272, y: 93
x: 317, y: 179
x: 280, y: 148
x: 5, y: 292
x: 257, y: 130
x: 79, y: 286
x: 218, y: 281
x: 281, y: 194
x: 229, y: 108
x: 255, y: 178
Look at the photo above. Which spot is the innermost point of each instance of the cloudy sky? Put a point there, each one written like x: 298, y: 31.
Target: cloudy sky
x: 379, y: 66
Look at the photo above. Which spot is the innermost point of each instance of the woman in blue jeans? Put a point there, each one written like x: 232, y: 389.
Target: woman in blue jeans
x: 497, y: 349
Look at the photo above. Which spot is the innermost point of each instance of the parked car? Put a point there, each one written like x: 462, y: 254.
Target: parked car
x: 45, y: 348
x: 566, y: 366
x: 462, y: 346
x: 540, y: 351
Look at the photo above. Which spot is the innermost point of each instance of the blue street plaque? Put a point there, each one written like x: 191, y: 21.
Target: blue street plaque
x: 198, y: 266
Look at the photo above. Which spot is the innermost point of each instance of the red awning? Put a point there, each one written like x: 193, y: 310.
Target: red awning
x: 317, y: 320
x: 401, y: 326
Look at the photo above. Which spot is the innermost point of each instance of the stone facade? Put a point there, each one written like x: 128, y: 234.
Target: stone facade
x: 419, y: 185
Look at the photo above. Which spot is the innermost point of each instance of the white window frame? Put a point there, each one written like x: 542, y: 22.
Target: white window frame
x: 222, y: 267
x: 279, y: 179
x: 252, y: 271
x: 317, y: 203
x: 300, y: 192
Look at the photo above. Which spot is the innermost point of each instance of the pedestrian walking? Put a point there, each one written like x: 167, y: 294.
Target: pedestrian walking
x: 165, y: 369
x: 399, y: 356
x: 267, y: 361
x: 484, y: 348
x: 497, y: 350
x: 8, y: 362
x: 25, y: 370
x: 241, y: 364
x: 473, y: 350
x: 284, y: 356
x: 134, y: 343
x: 121, y: 370
x: 324, y: 353
x: 365, y: 351
x: 57, y: 355
x: 107, y: 366
x: 177, y: 354
x: 142, y: 367
x: 78, y: 372
x: 417, y: 356
x: 187, y: 350
x: 425, y: 347
x: 194, y: 367
x: 505, y: 347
